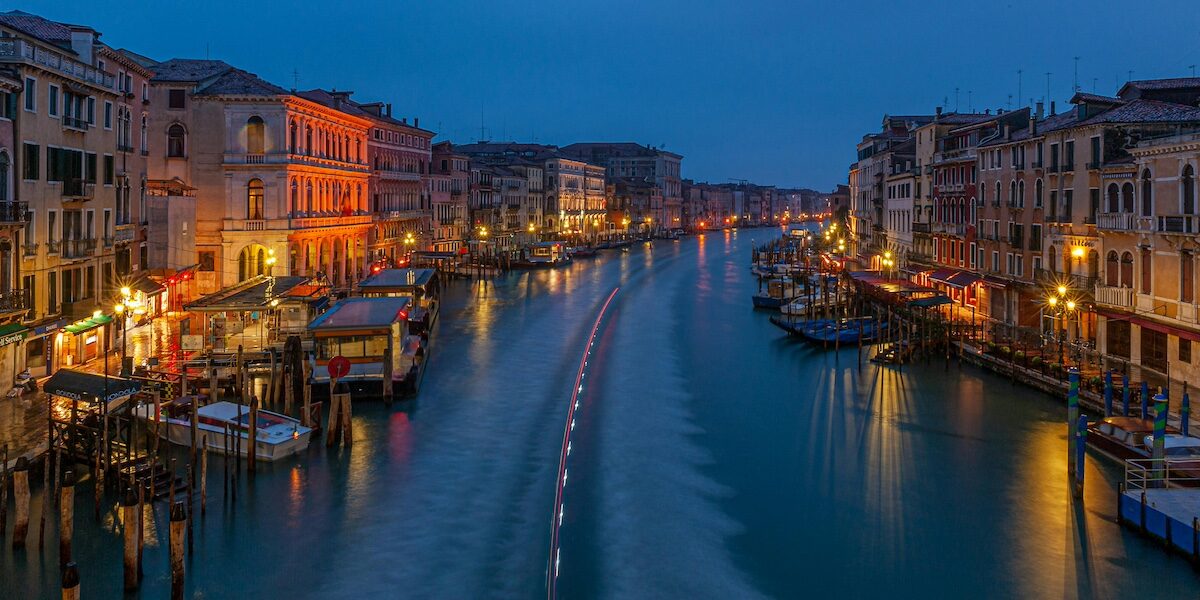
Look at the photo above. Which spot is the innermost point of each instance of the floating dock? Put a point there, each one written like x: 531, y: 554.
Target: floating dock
x: 1157, y: 507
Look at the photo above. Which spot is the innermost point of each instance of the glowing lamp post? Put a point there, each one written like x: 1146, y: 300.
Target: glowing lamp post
x: 1062, y: 307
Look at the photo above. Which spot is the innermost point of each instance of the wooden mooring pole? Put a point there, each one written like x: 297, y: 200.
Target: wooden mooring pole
x: 21, y: 500
x: 129, y: 506
x: 4, y: 492
x: 178, y: 523
x: 70, y: 582
x: 66, y: 519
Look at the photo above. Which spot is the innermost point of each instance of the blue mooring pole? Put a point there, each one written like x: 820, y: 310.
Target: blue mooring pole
x: 1145, y: 400
x: 1072, y: 418
x: 1080, y: 451
x: 1185, y: 412
x: 1160, y: 435
x: 1125, y: 394
x: 1108, y: 394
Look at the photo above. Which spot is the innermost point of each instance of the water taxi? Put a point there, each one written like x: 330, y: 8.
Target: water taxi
x: 386, y: 351
x: 1121, y: 437
x: 544, y: 254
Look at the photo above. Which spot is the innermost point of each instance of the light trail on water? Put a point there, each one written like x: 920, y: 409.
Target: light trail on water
x: 556, y: 517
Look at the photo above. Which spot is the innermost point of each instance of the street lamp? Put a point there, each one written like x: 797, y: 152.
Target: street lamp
x: 1062, y: 307
x: 270, y: 263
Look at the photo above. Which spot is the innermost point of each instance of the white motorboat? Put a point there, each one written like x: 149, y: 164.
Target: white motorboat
x: 278, y: 436
x: 800, y: 306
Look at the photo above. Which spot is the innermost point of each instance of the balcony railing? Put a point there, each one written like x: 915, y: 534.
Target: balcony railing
x: 14, y: 300
x: 78, y: 248
x: 77, y: 189
x: 75, y: 123
x: 14, y: 212
x: 1115, y: 221
x: 30, y: 249
x: 1085, y: 283
x: 1178, y: 224
x: 1120, y: 297
x: 920, y: 227
x: 19, y: 51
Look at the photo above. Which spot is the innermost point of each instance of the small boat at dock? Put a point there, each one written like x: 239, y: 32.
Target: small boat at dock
x: 277, y: 436
x: 778, y: 293
x: 1121, y: 437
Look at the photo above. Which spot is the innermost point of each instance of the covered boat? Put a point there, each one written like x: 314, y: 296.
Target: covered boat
x: 277, y: 436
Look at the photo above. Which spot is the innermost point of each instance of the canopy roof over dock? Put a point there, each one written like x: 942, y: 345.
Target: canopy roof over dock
x: 362, y: 313
x: 89, y: 387
x: 898, y: 290
x: 257, y: 294
x: 389, y: 280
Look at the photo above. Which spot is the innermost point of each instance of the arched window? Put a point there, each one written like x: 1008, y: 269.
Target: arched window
x: 1052, y: 254
x: 1127, y: 270
x: 1112, y: 269
x: 294, y: 205
x: 996, y: 200
x: 1012, y: 193
x: 1147, y: 194
x: 176, y: 141
x: 256, y: 135
x: 1037, y: 194
x: 254, y: 199
x: 4, y: 177
x: 1114, y: 199
x: 145, y: 134
x: 308, y: 198
x: 251, y: 262
x: 1188, y: 192
x: 308, y: 140
x: 1127, y: 198
x: 292, y: 137
x: 1021, y: 193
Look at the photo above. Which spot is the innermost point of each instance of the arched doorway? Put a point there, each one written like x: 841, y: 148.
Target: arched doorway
x: 252, y: 262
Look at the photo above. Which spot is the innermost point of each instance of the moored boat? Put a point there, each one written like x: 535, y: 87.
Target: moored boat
x: 277, y: 436
x: 1121, y: 437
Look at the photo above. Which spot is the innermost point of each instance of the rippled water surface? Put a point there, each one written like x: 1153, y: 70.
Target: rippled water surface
x: 712, y: 458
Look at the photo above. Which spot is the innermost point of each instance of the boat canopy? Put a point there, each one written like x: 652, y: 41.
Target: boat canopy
x: 83, y: 386
x: 396, y: 280
x: 362, y: 313
x: 930, y: 302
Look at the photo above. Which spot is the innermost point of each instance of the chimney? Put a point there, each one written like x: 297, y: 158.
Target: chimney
x: 937, y: 114
x: 1053, y: 110
x: 82, y: 40
x: 1033, y: 119
x: 1007, y: 131
x: 417, y: 122
x: 1040, y: 107
x: 389, y: 109
x: 404, y: 120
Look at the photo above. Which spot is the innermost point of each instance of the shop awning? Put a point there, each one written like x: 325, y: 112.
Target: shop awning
x: 995, y: 282
x: 148, y: 286
x: 943, y: 275
x: 930, y: 301
x: 79, y: 385
x: 87, y: 324
x: 12, y: 333
x: 962, y: 279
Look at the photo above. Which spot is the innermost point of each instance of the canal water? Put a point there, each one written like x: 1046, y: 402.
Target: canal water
x: 711, y: 458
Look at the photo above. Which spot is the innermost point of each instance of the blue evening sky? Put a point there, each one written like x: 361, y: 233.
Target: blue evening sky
x: 774, y: 91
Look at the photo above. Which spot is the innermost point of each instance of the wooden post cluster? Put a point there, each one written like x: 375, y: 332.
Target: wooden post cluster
x: 21, y: 500
x: 178, y: 524
x: 66, y: 521
x: 129, y: 507
x: 340, y: 426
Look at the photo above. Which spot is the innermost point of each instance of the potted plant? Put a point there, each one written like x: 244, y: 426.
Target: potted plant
x: 1037, y: 362
x: 1019, y: 356
x: 991, y: 347
x: 1005, y: 350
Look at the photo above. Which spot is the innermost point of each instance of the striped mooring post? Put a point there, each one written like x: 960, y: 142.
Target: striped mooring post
x: 1108, y: 394
x: 1145, y: 400
x: 1185, y: 412
x: 1160, y: 434
x: 1125, y: 394
x: 1080, y: 452
x: 1072, y: 417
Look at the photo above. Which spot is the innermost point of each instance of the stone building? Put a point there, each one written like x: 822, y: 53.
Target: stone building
x: 627, y: 160
x: 281, y: 180
x: 449, y: 182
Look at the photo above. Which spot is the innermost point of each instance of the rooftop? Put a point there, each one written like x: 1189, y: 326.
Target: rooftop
x: 41, y: 28
x: 252, y: 294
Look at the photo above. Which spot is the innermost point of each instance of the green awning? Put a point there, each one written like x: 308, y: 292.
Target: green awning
x: 87, y: 324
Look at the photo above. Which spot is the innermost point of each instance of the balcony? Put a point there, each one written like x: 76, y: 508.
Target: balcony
x: 1093, y: 165
x: 81, y: 248
x: 1073, y: 281
x: 1178, y: 224
x: 1115, y: 221
x: 77, y: 190
x: 16, y: 213
x: 14, y: 300
x: 124, y: 148
x: 1037, y: 164
x: 1119, y: 297
x: 1017, y: 243
x: 920, y: 227
x: 75, y: 124
x: 30, y: 250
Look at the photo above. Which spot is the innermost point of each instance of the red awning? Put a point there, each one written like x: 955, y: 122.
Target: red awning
x: 1151, y: 324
